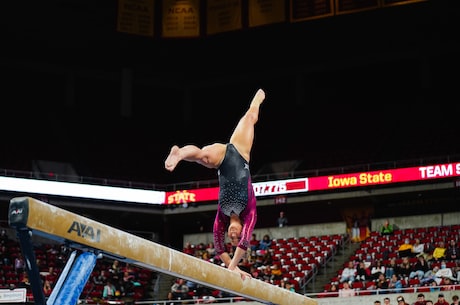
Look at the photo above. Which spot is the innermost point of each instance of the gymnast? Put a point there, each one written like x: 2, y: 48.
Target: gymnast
x: 236, y: 207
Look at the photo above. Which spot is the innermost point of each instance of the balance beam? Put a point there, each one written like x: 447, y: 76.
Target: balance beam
x: 80, y: 232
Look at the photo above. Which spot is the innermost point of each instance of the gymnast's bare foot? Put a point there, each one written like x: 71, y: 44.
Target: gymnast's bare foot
x: 258, y: 98
x: 172, y: 159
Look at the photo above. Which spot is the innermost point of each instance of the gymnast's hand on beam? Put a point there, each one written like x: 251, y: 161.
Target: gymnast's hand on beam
x: 244, y: 274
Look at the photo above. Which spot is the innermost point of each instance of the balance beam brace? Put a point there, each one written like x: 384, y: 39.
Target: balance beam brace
x: 66, y: 227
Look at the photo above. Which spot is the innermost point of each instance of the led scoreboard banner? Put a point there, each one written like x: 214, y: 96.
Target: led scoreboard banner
x: 330, y: 182
x: 262, y: 189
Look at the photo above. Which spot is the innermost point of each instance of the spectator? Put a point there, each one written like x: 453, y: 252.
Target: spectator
x: 47, y: 289
x: 354, y: 226
x: 265, y: 243
x: 348, y: 273
x: 254, y: 243
x: 441, y: 300
x: 452, y: 251
x: 189, y: 248
x: 24, y: 281
x: 100, y: 278
x: 333, y: 291
x: 290, y: 286
x: 419, y: 268
x: 400, y: 300
x: 179, y: 289
x: 377, y: 269
x: 406, y: 249
x: 266, y: 274
x: 420, y: 299
x: 429, y: 302
x: 377, y: 302
x: 439, y: 252
x: 282, y: 220
x: 391, y: 268
x: 443, y: 273
x: 386, y: 301
x: 19, y: 264
x: 447, y: 284
x: 346, y: 290
x: 429, y: 248
x: 395, y: 284
x: 405, y: 268
x: 387, y: 228
x: 455, y: 300
x: 211, y: 249
x: 430, y: 276
x: 115, y: 271
x: 382, y: 283
x: 108, y: 293
x: 418, y: 248
x: 363, y: 273
x: 277, y: 274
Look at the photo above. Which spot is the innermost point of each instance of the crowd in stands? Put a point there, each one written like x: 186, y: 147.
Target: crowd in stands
x: 109, y: 280
x: 395, y: 261
x: 286, y: 262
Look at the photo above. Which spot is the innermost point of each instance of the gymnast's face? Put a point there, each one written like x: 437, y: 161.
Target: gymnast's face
x: 234, y: 231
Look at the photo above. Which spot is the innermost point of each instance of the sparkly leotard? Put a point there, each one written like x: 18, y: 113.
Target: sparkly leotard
x: 236, y: 196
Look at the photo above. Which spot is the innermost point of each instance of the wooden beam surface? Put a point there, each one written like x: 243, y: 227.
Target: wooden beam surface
x: 64, y: 226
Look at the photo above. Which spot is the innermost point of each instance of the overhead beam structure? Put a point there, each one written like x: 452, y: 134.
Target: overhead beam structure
x: 55, y: 223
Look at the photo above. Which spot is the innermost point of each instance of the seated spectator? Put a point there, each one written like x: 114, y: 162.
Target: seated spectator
x: 452, y: 251
x: 211, y: 249
x: 439, y: 253
x: 377, y: 269
x: 391, y: 268
x: 363, y: 273
x: 430, y: 276
x: 418, y: 248
x: 429, y: 248
x: 108, y: 293
x: 346, y: 290
x: 179, y: 289
x: 266, y: 274
x: 24, y: 281
x: 265, y: 243
x: 277, y: 274
x: 405, y: 249
x: 47, y: 289
x: 405, y: 268
x: 419, y: 268
x: 447, y: 284
x: 444, y: 272
x: 333, y: 291
x: 382, y: 283
x: 189, y: 249
x: 290, y: 286
x: 100, y: 278
x: 254, y: 243
x: 348, y: 273
x: 395, y: 284
x: 387, y: 228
